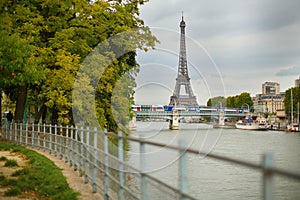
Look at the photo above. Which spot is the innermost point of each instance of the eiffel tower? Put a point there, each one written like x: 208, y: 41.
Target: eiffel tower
x: 187, y: 97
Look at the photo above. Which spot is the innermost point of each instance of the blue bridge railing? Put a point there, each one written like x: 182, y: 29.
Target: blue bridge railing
x: 100, y: 158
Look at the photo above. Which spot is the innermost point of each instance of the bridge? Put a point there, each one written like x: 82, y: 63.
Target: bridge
x: 178, y: 114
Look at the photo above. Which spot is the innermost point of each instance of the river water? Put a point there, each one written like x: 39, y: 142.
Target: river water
x: 212, y: 179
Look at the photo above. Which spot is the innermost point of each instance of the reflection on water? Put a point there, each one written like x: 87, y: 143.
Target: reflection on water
x: 212, y: 179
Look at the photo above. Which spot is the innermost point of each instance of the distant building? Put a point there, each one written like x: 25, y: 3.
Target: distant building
x: 271, y: 101
x: 270, y: 88
x: 297, y: 82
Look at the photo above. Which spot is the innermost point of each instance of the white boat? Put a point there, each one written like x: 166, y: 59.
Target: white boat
x: 251, y: 125
x: 293, y: 127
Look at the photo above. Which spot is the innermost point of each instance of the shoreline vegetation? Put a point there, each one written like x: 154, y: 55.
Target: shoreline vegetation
x: 40, y: 179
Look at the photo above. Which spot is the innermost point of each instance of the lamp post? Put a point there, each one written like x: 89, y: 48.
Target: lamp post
x: 247, y: 106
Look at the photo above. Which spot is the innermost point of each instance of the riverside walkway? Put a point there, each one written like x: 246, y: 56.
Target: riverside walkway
x: 92, y: 156
x: 73, y: 177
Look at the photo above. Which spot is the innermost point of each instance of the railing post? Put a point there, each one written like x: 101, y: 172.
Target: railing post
x: 182, y: 170
x: 10, y: 131
x: 81, y: 153
x: 15, y: 132
x: 38, y: 136
x: 32, y: 135
x: 106, y: 178
x: 71, y: 147
x: 20, y: 135
x: 143, y: 169
x: 87, y: 156
x: 50, y: 139
x: 76, y: 149
x: 61, y: 138
x: 26, y: 135
x: 121, y: 166
x: 55, y: 140
x: 267, y: 177
x: 45, y: 136
x: 95, y: 159
x: 67, y: 152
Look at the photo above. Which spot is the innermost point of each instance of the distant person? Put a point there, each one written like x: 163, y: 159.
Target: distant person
x: 9, y: 117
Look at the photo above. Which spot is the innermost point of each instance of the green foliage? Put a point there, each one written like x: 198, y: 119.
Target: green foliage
x: 295, y: 92
x: 44, y: 43
x: 217, y: 102
x: 232, y: 101
x: 13, y: 192
x: 11, y: 163
x: 3, y: 158
x: 2, y: 178
x: 42, y: 177
x: 21, y: 172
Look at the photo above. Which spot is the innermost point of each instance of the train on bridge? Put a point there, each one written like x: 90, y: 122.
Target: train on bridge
x: 168, y: 108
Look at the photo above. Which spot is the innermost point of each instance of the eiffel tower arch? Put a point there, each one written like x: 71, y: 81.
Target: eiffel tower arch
x: 183, y: 94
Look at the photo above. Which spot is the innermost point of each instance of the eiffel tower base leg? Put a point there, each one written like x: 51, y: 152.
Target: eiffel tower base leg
x: 174, y: 123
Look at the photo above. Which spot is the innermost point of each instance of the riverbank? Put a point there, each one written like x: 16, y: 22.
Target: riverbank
x: 48, y: 164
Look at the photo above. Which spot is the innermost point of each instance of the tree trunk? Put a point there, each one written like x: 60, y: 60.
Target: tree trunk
x: 54, y: 118
x: 20, y: 104
x: 39, y: 114
x: 44, y: 115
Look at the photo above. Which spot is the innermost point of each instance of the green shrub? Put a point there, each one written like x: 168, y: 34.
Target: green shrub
x: 11, y: 163
x: 13, y: 192
x: 20, y: 172
x: 2, y: 179
x: 3, y: 158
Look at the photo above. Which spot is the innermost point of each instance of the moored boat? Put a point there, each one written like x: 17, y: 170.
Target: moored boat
x: 293, y: 127
x: 252, y: 125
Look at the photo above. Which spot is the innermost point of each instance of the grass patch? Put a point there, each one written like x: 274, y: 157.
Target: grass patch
x: 21, y: 172
x: 2, y: 179
x: 42, y: 177
x: 11, y: 163
x: 3, y: 158
x: 13, y: 192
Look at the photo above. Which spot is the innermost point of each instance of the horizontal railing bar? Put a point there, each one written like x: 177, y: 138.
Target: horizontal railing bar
x: 281, y: 172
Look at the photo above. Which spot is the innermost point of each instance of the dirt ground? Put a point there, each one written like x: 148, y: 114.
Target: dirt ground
x: 75, y: 182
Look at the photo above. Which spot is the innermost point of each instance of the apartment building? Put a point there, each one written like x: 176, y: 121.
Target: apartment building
x: 271, y: 100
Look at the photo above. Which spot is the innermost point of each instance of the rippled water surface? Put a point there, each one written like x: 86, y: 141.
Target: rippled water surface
x: 213, y: 179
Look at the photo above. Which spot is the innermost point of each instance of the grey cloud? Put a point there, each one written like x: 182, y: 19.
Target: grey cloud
x: 292, y: 71
x: 225, y: 17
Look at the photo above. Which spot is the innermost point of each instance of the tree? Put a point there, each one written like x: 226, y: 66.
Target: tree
x: 242, y: 99
x: 232, y: 101
x: 217, y: 102
x: 19, y: 67
x: 50, y: 41
x: 295, y: 92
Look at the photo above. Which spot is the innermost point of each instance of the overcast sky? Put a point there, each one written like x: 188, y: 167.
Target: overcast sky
x: 233, y: 46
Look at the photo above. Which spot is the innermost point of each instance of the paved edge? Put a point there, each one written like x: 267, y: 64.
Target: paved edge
x: 74, y: 180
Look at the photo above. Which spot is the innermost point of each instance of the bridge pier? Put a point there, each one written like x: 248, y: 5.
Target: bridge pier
x: 174, y: 122
x: 221, y: 119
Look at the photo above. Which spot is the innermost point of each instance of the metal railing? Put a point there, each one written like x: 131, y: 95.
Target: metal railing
x: 91, y: 152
